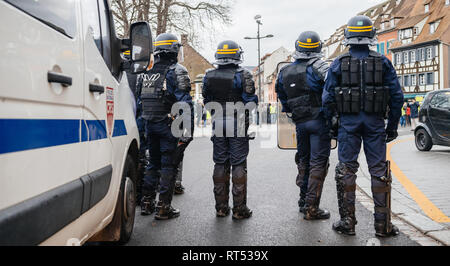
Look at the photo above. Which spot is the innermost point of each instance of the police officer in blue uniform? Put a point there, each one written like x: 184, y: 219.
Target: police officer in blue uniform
x: 230, y: 83
x: 299, y: 88
x: 362, y: 90
x: 159, y: 88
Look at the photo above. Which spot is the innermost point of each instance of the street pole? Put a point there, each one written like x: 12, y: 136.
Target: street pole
x: 258, y: 37
x: 259, y: 63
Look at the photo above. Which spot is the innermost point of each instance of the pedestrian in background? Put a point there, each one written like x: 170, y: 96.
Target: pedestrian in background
x: 273, y: 114
x: 414, y: 114
x: 408, y: 115
x: 403, y: 117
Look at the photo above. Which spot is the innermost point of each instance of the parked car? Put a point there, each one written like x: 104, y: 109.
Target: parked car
x: 434, y: 117
x: 68, y: 135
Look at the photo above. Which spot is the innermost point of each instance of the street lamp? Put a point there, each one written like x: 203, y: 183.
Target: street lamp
x: 259, y: 37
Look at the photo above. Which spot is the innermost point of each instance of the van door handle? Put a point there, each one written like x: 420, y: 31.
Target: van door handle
x: 54, y: 77
x: 96, y: 88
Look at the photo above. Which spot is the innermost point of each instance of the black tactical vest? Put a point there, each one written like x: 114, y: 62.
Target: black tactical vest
x: 360, y: 86
x: 154, y: 105
x: 304, y: 103
x: 221, y: 86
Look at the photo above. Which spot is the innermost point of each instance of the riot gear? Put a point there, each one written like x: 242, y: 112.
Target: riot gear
x: 304, y: 103
x: 230, y: 83
x: 223, y: 90
x: 361, y: 86
x: 299, y: 88
x: 228, y: 52
x: 167, y: 43
x: 153, y: 94
x: 159, y: 89
x: 360, y: 30
x: 308, y: 45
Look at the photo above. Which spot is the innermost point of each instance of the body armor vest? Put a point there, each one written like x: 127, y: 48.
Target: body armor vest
x: 304, y: 103
x: 361, y: 87
x: 153, y: 94
x: 222, y: 87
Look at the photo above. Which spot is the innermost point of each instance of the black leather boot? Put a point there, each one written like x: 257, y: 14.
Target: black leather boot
x: 179, y: 189
x: 345, y: 226
x: 166, y: 212
x: 315, y: 213
x: 223, y: 212
x: 242, y: 212
x: 147, y: 206
x: 382, y: 231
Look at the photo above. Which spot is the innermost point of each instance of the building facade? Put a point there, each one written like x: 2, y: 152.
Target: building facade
x: 196, y: 65
x: 421, y: 52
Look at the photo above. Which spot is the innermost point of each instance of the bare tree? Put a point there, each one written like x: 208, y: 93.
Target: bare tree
x: 182, y: 16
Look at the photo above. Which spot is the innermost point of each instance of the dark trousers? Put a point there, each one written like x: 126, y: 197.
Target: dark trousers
x: 367, y: 129
x: 313, y: 152
x: 161, y: 167
x: 230, y: 158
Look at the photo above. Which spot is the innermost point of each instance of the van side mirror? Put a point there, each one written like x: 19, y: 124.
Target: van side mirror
x: 141, y: 47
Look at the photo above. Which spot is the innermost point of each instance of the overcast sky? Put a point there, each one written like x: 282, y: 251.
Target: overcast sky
x: 285, y: 19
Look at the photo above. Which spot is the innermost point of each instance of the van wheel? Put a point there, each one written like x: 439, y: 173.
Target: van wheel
x: 127, y: 200
x: 423, y: 140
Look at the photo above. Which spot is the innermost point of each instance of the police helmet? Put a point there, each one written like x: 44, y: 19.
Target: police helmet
x: 228, y: 52
x: 127, y: 54
x: 360, y: 30
x: 167, y: 43
x: 308, y: 45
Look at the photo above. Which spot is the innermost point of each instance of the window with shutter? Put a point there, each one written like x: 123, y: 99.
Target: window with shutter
x: 430, y: 78
x: 412, y: 56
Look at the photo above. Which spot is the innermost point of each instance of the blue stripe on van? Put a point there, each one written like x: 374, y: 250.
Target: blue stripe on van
x: 23, y: 134
x: 119, y: 128
x: 97, y: 129
x: 28, y: 134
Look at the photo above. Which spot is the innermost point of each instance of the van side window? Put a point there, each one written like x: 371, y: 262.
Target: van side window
x: 57, y: 14
x: 91, y: 16
x: 105, y: 31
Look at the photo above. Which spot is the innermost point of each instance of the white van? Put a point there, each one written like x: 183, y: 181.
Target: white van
x: 68, y: 135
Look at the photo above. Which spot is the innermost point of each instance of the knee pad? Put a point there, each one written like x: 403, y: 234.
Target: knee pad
x: 240, y: 174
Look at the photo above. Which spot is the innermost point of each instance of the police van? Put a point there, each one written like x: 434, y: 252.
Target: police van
x: 68, y: 135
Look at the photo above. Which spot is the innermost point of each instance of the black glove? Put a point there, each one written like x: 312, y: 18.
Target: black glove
x: 185, y: 140
x: 334, y: 127
x: 391, y: 135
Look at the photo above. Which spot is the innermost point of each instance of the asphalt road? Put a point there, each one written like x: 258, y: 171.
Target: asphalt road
x: 429, y: 171
x: 273, y: 196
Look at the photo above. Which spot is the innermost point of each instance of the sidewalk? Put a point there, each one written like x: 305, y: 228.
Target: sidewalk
x: 404, y: 207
